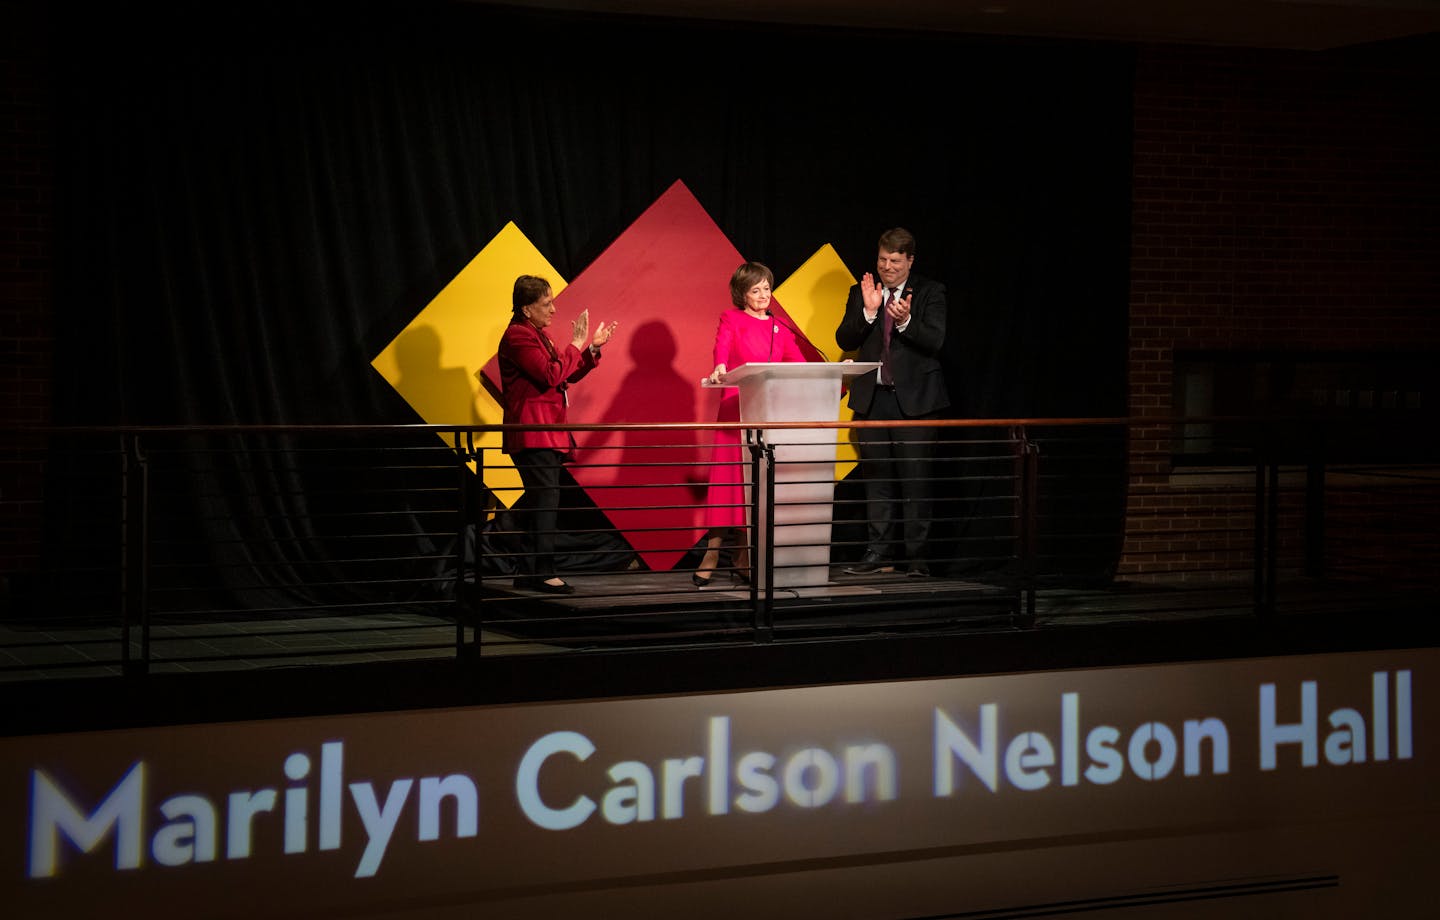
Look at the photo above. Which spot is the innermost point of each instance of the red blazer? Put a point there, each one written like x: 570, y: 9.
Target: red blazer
x: 533, y: 377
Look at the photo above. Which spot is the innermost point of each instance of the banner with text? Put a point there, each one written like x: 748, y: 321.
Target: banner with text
x: 481, y: 804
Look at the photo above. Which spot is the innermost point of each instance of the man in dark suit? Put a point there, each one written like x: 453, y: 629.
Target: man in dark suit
x: 898, y: 319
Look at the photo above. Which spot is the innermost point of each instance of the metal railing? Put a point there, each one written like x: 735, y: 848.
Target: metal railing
x: 203, y: 548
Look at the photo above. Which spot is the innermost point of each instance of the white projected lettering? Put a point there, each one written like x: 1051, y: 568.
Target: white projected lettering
x: 809, y: 778
x: 1029, y: 758
x: 188, y: 827
x: 190, y: 835
x: 459, y: 789
x: 694, y: 772
x: 53, y: 813
x: 379, y: 820
x: 1345, y: 742
x: 244, y: 806
x: 527, y: 782
x: 297, y: 804
x: 633, y: 796
x: 753, y: 772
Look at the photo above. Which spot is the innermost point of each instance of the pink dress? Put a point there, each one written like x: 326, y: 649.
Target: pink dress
x: 739, y: 339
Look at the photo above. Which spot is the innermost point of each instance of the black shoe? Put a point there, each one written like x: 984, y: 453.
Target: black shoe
x: 700, y: 582
x: 535, y: 583
x: 918, y: 570
x: 736, y: 575
x: 871, y: 564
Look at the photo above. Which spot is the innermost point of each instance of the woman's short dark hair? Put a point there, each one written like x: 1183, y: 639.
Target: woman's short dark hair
x: 528, y: 289
x: 746, y: 277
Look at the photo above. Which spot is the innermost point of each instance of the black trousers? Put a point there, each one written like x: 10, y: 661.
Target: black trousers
x: 895, y: 465
x: 539, y: 470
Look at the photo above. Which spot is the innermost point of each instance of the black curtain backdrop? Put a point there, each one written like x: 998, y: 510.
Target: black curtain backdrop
x: 252, y: 202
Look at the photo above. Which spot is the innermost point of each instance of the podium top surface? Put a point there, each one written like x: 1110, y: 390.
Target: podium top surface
x: 793, y: 370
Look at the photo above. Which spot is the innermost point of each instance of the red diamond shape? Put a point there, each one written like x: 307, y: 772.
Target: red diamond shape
x: 665, y: 280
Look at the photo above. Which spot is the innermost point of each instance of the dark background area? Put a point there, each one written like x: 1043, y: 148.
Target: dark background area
x: 249, y: 207
x: 248, y: 211
x: 224, y: 216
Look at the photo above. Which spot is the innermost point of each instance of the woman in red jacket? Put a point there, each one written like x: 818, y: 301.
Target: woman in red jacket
x: 534, y: 374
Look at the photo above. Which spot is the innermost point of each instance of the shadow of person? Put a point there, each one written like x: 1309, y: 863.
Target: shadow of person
x: 441, y: 395
x: 584, y: 540
x: 651, y: 477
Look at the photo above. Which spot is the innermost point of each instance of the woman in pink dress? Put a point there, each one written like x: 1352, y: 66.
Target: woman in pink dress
x: 746, y: 334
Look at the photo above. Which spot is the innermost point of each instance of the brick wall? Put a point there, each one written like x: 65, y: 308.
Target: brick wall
x: 26, y: 187
x: 1284, y: 200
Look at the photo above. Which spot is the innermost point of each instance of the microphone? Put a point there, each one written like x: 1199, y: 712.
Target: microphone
x: 776, y: 322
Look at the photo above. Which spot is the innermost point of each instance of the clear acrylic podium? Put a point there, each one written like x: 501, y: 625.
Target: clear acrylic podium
x: 803, y: 501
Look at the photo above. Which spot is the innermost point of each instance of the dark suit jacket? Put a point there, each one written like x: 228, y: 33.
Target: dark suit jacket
x: 914, y: 353
x: 533, y: 377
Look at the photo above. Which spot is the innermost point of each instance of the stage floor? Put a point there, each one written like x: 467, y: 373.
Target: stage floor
x: 643, y: 610
x: 644, y: 633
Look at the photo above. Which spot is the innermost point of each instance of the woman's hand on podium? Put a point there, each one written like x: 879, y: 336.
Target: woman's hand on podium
x: 718, y: 374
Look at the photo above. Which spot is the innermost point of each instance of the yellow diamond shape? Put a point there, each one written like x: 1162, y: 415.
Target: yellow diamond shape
x: 814, y: 296
x: 435, y: 361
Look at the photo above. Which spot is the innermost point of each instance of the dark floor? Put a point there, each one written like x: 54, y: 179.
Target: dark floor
x: 637, y: 633
x: 656, y: 610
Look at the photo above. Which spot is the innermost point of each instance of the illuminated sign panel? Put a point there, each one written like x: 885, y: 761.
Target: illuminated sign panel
x: 495, y: 805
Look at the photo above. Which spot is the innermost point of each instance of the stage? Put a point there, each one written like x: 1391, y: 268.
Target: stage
x: 641, y: 632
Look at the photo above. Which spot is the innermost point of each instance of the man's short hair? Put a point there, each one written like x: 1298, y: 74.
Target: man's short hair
x: 898, y: 239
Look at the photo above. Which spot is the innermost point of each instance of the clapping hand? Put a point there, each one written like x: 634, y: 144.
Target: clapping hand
x: 871, y: 294
x: 580, y: 329
x: 580, y: 332
x: 899, y: 309
x: 603, y: 333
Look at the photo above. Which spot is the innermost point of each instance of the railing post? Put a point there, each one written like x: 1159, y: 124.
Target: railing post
x: 1032, y: 525
x: 762, y: 535
x: 463, y: 523
x: 134, y: 554
x: 1026, y: 455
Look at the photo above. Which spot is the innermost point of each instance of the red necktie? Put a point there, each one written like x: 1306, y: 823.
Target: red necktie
x: 886, y: 323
